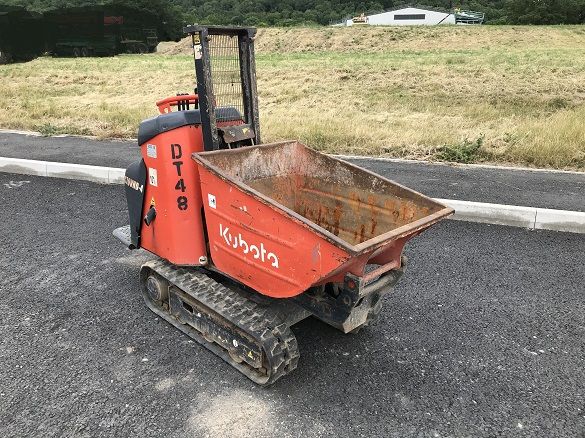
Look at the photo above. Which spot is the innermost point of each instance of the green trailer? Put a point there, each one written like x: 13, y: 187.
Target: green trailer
x: 17, y: 41
x: 101, y: 31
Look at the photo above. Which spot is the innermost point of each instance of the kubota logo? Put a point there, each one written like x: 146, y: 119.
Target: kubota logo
x: 258, y: 252
x: 134, y: 184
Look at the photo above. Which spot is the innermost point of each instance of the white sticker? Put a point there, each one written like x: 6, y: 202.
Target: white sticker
x: 211, y: 199
x: 152, y: 177
x: 151, y: 150
x: 198, y: 52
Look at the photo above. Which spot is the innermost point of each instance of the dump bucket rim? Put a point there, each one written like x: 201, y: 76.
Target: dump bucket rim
x: 369, y: 245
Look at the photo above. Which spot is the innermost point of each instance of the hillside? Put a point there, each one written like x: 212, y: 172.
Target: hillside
x: 381, y: 39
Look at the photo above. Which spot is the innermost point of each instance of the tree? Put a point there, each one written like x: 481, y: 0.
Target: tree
x: 294, y: 12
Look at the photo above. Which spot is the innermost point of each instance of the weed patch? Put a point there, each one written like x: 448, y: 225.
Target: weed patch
x: 464, y: 152
x: 47, y: 129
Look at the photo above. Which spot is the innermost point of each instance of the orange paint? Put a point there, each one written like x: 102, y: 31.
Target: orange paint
x: 176, y: 234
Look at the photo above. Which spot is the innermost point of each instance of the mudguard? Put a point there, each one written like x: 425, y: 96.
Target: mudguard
x: 134, y: 186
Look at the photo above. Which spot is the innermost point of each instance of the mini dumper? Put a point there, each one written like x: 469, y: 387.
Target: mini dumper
x: 252, y: 238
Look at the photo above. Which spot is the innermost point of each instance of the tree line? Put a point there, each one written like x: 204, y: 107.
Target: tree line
x: 324, y: 12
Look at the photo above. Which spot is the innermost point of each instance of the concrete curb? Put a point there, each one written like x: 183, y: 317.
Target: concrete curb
x: 87, y: 137
x: 104, y: 175
x: 518, y: 216
x: 20, y: 132
x: 497, y: 214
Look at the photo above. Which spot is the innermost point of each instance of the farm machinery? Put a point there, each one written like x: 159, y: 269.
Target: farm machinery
x: 252, y: 238
x: 17, y: 42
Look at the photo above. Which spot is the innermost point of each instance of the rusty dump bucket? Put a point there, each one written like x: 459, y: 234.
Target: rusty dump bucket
x: 282, y: 217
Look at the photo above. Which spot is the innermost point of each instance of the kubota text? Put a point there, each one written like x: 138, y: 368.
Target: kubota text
x: 258, y: 252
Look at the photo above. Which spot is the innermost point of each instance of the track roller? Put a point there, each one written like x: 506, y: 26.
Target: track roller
x: 253, y: 338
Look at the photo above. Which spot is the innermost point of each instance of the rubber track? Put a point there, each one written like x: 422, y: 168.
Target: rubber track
x: 261, y: 323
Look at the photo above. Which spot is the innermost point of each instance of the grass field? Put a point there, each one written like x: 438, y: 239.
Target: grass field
x: 466, y: 94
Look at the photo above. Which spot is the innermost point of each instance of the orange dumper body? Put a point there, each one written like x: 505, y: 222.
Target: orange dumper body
x: 280, y: 218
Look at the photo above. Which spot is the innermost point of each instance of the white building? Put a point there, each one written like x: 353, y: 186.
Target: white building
x: 411, y: 16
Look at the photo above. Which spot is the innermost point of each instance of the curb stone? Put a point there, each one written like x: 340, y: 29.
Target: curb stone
x: 497, y: 214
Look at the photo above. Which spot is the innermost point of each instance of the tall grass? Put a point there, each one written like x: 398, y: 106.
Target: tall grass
x: 497, y: 94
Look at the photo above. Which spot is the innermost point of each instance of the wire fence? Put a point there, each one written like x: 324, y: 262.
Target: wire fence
x: 225, y: 71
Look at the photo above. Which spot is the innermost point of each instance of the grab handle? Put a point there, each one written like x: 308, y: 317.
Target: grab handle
x: 183, y: 100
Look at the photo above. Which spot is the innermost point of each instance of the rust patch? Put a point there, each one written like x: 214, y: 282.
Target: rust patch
x: 337, y: 216
x: 374, y: 225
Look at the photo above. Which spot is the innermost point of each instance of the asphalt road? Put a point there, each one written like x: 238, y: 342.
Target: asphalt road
x: 484, y: 336
x: 564, y: 191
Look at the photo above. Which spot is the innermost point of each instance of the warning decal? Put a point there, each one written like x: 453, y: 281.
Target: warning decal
x: 212, y: 201
x: 152, y: 177
x: 151, y: 150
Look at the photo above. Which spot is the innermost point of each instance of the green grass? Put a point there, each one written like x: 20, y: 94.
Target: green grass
x: 502, y: 95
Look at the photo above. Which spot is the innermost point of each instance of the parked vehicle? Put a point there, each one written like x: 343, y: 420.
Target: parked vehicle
x: 17, y: 41
x: 79, y: 32
x: 252, y: 238
x: 101, y: 31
